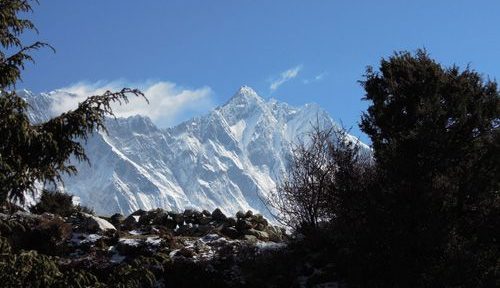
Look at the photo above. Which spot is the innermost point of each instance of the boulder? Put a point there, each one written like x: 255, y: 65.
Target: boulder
x: 258, y: 218
x: 192, y: 216
x: 230, y: 232
x: 205, y: 229
x: 261, y: 235
x: 205, y: 220
x: 188, y: 213
x: 260, y: 227
x: 48, y: 236
x: 218, y: 216
x: 117, y: 219
x: 164, y: 219
x: 169, y: 223
x: 206, y: 213
x: 242, y: 225
x: 250, y: 238
x: 139, y: 246
x: 230, y: 222
x: 249, y: 214
x: 152, y: 217
x: 139, y: 212
x: 275, y: 234
x: 93, y: 223
x: 187, y: 230
x: 130, y: 222
x: 240, y: 215
x: 185, y: 252
x: 130, y: 247
x: 178, y: 218
x: 196, y: 218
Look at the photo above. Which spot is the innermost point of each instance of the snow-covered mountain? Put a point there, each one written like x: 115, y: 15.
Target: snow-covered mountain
x: 230, y: 158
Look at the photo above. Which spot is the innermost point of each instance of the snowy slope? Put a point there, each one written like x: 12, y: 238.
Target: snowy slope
x: 229, y: 158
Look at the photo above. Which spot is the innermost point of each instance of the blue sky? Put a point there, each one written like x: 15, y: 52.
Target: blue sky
x: 201, y: 52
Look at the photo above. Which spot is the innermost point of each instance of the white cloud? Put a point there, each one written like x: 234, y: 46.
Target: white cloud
x: 284, y: 77
x: 316, y: 78
x: 168, y: 103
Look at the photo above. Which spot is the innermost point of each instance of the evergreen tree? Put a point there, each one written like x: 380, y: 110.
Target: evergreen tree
x: 32, y: 153
x: 436, y: 138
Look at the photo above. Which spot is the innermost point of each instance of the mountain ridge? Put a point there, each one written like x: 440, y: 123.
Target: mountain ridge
x: 229, y: 158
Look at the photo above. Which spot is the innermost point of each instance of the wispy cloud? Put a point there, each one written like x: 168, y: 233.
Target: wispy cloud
x: 168, y: 103
x: 284, y: 77
x: 316, y: 78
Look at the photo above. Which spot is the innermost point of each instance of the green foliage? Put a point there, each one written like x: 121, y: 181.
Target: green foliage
x: 49, y: 236
x: 28, y: 268
x: 4, y: 246
x: 11, y: 27
x: 59, y: 203
x: 428, y: 215
x: 78, y: 279
x: 54, y: 202
x: 32, y: 153
x: 140, y: 273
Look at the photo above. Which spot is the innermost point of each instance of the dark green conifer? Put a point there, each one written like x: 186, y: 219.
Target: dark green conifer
x: 436, y: 138
x: 38, y: 152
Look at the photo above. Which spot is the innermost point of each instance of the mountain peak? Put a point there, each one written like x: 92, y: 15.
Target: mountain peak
x: 245, y: 95
x: 226, y: 159
x: 247, y: 90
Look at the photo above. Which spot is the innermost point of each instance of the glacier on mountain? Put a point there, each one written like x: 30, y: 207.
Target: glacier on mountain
x: 230, y: 158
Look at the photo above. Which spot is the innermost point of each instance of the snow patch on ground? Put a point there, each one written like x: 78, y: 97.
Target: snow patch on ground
x: 83, y: 238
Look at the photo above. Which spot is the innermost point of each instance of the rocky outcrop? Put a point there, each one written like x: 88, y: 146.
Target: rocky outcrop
x: 91, y: 223
x: 157, y: 239
x: 190, y: 235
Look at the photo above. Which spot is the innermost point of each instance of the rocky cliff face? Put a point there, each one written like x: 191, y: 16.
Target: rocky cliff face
x: 230, y: 158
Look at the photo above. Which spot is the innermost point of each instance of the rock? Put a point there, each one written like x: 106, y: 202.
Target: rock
x: 48, y: 236
x: 164, y: 219
x: 185, y: 252
x: 264, y: 222
x: 230, y: 232
x: 205, y: 229
x: 93, y: 223
x: 192, y: 216
x: 130, y: 222
x: 197, y: 216
x: 258, y: 218
x: 206, y: 213
x: 249, y: 214
x: 152, y: 217
x: 242, y: 225
x: 250, y: 238
x: 169, y: 223
x: 25, y: 216
x: 139, y: 212
x: 129, y: 247
x: 139, y: 246
x: 260, y: 227
x: 117, y: 219
x: 261, y: 235
x: 218, y: 216
x: 186, y: 230
x: 275, y: 234
x: 188, y: 213
x: 240, y: 215
x: 230, y: 222
x: 205, y: 220
x: 178, y: 218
